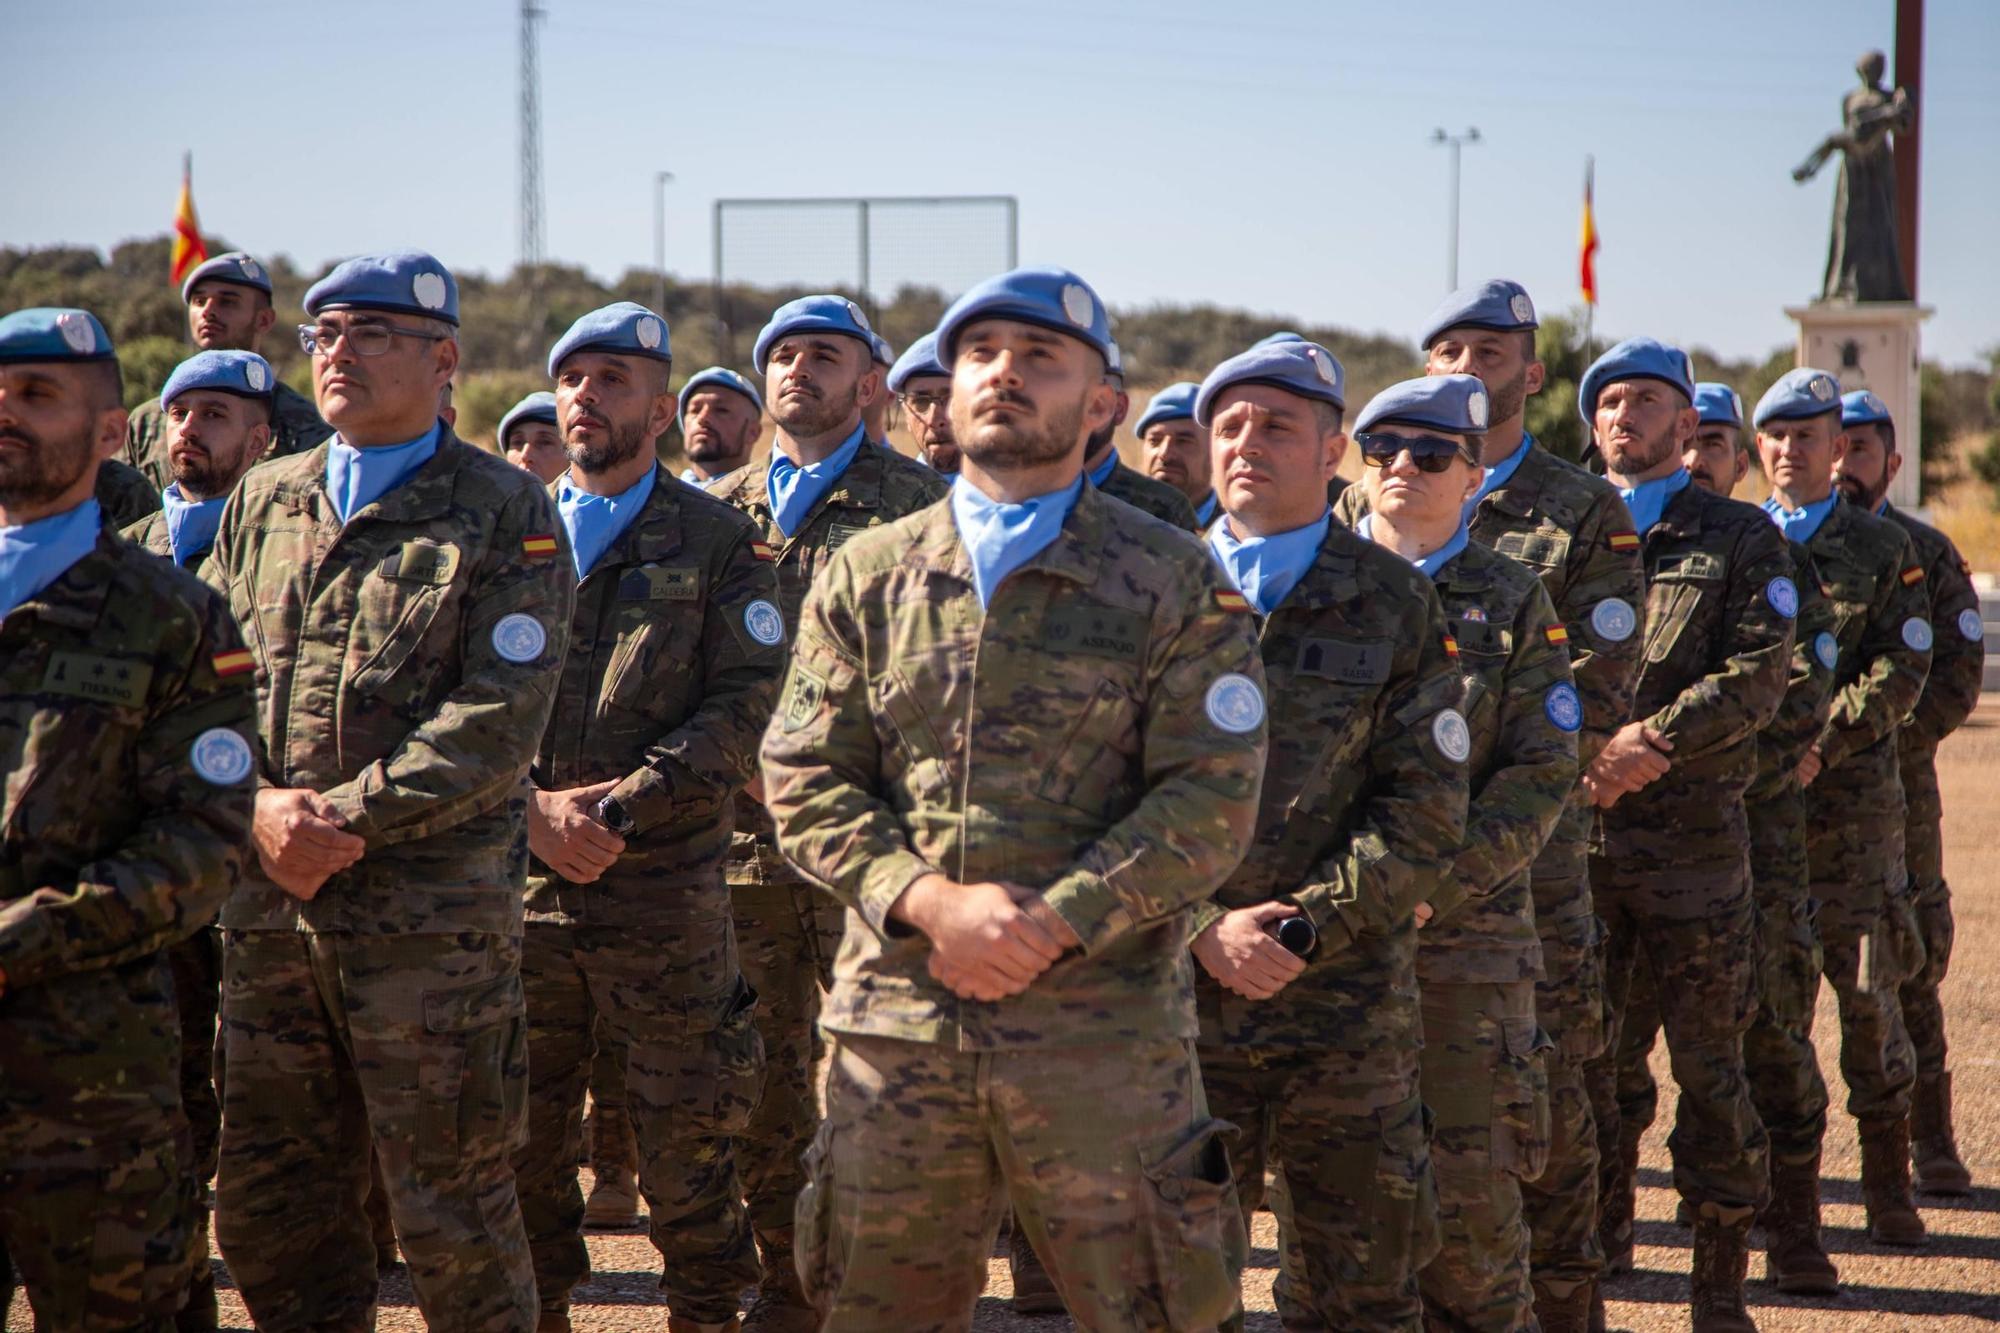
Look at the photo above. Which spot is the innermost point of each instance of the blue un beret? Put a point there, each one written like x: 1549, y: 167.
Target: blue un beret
x: 812, y: 314
x: 1499, y: 304
x: 409, y: 282
x: 1635, y: 359
x: 52, y: 333
x: 1053, y: 298
x: 1456, y: 404
x: 622, y: 326
x: 244, y: 374
x: 234, y: 267
x: 1799, y: 394
x: 720, y: 377
x: 1303, y: 368
x: 1169, y: 404
x: 1718, y: 404
x: 1863, y: 408
x: 537, y: 406
x: 1281, y: 336
x: 919, y: 358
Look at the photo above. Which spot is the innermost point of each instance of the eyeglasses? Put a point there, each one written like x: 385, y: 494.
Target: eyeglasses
x: 926, y: 404
x: 1431, y: 453
x: 362, y: 339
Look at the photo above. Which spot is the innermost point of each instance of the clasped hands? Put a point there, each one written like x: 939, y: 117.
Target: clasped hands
x: 989, y: 941
x: 1634, y: 757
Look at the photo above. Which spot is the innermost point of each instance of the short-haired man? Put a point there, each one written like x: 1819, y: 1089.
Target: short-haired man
x: 1110, y: 475
x: 1174, y: 449
x: 721, y: 416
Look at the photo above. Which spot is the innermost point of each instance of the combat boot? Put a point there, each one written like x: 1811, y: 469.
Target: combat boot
x: 1721, y: 1260
x: 1885, y: 1183
x: 779, y: 1304
x: 614, y: 1160
x: 1568, y: 1312
x: 1794, y: 1259
x: 1933, y: 1145
x: 1618, y: 1210
x: 1034, y: 1290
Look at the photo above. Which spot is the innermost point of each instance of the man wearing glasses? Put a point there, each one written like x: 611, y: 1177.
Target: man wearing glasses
x: 407, y: 600
x: 920, y: 381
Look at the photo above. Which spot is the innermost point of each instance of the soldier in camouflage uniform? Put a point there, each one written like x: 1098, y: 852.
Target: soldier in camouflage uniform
x: 1882, y: 649
x: 1312, y: 1049
x: 1478, y: 957
x: 1669, y: 869
x: 1109, y: 474
x: 1572, y: 529
x: 1951, y: 691
x: 674, y: 654
x: 923, y: 386
x: 407, y: 598
x: 229, y: 309
x: 824, y: 485
x: 126, y: 730
x: 218, y: 411
x: 1175, y: 450
x: 1022, y: 732
x: 1778, y: 1056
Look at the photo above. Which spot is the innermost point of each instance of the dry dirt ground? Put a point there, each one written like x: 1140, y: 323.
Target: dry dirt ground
x: 1953, y: 1285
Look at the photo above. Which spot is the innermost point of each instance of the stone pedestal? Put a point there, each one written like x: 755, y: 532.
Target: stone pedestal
x: 1873, y: 345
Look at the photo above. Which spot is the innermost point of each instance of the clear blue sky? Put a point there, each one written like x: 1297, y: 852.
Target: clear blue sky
x: 1267, y: 156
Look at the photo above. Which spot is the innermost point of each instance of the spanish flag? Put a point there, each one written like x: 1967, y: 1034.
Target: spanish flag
x: 189, y: 248
x: 1587, y: 239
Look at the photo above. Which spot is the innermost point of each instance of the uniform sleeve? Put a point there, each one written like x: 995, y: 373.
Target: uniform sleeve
x: 1411, y: 819
x: 185, y: 853
x: 1808, y: 682
x: 466, y: 757
x: 1741, y: 692
x: 714, y: 751
x: 822, y: 763
x: 1958, y: 651
x: 1875, y: 703
x: 1609, y: 571
x: 1193, y: 825
x: 1512, y: 813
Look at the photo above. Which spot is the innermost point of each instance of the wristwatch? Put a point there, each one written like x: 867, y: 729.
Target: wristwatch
x: 611, y: 814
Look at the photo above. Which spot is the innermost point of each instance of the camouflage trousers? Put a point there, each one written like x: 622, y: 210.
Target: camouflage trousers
x: 1560, y: 1203
x: 607, y: 1069
x: 1355, y: 1198
x: 1486, y: 1084
x: 1107, y: 1154
x: 1930, y: 899
x: 101, y: 1248
x: 1778, y: 1056
x: 1867, y: 955
x: 197, y: 968
x: 694, y: 1064
x: 784, y: 958
x: 416, y: 1044
x: 1706, y: 970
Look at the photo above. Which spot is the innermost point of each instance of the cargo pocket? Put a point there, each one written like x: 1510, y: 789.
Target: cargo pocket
x: 1198, y: 1241
x: 1402, y: 1219
x: 813, y: 1248
x: 1520, y: 1133
x: 472, y: 1077
x: 723, y: 1073
x: 1586, y: 1023
x: 1094, y: 760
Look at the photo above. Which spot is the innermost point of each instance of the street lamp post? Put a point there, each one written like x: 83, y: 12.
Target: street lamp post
x: 1455, y: 142
x: 660, y: 179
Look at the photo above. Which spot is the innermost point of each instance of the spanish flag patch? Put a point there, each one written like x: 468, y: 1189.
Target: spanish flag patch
x: 762, y: 550
x: 539, y: 544
x: 1914, y: 574
x: 234, y: 663
x: 1556, y: 634
x: 1624, y: 541
x: 1450, y: 646
x: 1231, y: 600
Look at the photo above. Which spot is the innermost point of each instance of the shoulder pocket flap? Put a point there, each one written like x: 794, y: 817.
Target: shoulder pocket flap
x: 1348, y: 661
x: 479, y: 1005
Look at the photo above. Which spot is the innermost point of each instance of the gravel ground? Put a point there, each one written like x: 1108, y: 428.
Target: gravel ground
x: 1952, y: 1285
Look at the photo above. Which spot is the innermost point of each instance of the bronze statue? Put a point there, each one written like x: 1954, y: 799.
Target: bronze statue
x: 1863, y: 262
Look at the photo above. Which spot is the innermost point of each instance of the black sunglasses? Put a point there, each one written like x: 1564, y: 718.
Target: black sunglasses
x: 1431, y: 453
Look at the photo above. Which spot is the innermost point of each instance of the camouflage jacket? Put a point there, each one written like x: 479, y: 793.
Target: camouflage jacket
x: 674, y: 654
x: 1958, y: 653
x: 1718, y: 648
x: 124, y: 494
x: 406, y: 665
x: 1096, y: 733
x: 1149, y: 496
x: 1808, y: 690
x: 127, y: 731
x: 150, y: 534
x: 295, y: 427
x: 878, y: 487
x: 1363, y: 805
x: 1521, y: 706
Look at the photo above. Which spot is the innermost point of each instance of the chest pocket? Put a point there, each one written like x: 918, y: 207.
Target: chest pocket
x: 1097, y: 762
x: 1544, y: 550
x: 90, y: 707
x: 1851, y: 595
x: 1322, y: 693
x: 1683, y: 592
x: 925, y: 764
x: 406, y: 603
x: 1483, y: 651
x: 655, y: 617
